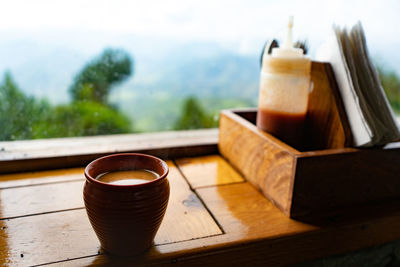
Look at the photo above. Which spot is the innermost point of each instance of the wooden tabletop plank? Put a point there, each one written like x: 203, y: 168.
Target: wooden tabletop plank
x: 254, y: 233
x: 258, y: 234
x: 241, y: 210
x: 33, y: 240
x: 208, y: 171
x: 40, y: 177
x: 186, y: 217
x: 58, y: 236
x: 22, y: 201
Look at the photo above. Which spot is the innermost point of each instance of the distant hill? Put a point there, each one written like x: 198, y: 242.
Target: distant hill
x: 222, y: 75
x: 202, y: 69
x: 165, y: 74
x: 154, y: 96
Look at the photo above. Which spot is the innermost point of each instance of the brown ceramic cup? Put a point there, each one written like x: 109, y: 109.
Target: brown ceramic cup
x: 126, y: 217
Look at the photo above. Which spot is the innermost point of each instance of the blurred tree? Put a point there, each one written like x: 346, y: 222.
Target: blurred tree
x: 95, y: 80
x: 82, y: 119
x: 193, y: 116
x: 18, y: 113
x: 391, y: 84
x: 23, y: 117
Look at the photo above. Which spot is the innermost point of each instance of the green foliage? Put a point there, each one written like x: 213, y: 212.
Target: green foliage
x: 94, y: 81
x: 391, y: 84
x: 23, y: 117
x: 90, y: 113
x: 159, y: 112
x: 193, y: 116
x: 82, y: 119
x: 18, y: 113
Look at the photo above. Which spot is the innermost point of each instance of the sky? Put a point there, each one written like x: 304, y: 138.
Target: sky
x: 242, y: 26
x: 221, y: 21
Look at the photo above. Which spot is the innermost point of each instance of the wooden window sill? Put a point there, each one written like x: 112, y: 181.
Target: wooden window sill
x: 30, y: 155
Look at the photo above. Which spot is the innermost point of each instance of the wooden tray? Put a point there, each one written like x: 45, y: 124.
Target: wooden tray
x: 324, y: 176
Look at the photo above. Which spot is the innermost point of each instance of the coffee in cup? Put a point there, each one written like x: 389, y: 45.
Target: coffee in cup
x: 128, y: 177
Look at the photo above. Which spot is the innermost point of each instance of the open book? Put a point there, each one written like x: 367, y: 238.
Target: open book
x: 370, y: 116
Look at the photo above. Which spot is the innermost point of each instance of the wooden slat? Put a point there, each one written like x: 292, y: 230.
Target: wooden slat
x: 243, y: 213
x: 327, y: 123
x: 38, y: 199
x: 40, y: 192
x: 42, y: 177
x: 61, y: 235
x: 258, y: 234
x: 186, y: 217
x: 13, y: 150
x: 28, y: 241
x: 241, y: 210
x: 264, y: 160
x: 29, y: 155
x: 208, y: 171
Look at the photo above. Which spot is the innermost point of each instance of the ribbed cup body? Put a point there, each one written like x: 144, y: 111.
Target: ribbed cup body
x: 126, y: 218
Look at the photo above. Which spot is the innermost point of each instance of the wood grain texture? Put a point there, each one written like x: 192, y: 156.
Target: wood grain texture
x: 58, y: 235
x: 208, y: 171
x: 38, y: 199
x: 258, y: 234
x: 44, y: 154
x: 346, y: 180
x: 47, y: 238
x: 309, y: 183
x: 241, y: 210
x: 326, y: 175
x: 327, y: 126
x: 264, y: 161
x: 186, y: 217
x: 42, y: 177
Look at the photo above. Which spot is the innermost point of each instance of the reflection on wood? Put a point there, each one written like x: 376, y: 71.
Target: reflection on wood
x: 255, y: 232
x: 258, y: 234
x: 242, y: 210
x: 60, y: 235
x: 48, y: 238
x: 208, y: 171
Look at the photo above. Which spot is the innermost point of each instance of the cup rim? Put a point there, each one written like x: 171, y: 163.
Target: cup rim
x: 95, y: 181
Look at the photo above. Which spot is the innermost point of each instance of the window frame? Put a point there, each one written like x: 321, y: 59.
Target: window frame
x: 45, y: 154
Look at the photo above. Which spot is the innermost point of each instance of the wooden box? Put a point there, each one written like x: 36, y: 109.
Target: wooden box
x: 325, y: 176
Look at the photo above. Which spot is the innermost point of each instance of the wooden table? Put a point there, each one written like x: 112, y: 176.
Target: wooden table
x: 213, y: 217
